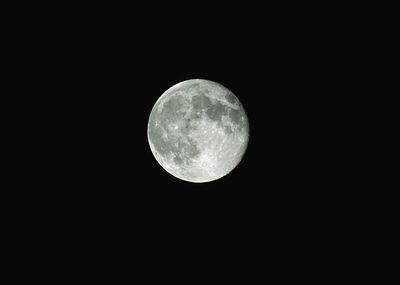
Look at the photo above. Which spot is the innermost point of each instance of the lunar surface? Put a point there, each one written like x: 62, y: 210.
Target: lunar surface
x: 198, y: 130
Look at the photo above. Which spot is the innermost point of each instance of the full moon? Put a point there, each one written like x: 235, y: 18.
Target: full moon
x: 198, y: 130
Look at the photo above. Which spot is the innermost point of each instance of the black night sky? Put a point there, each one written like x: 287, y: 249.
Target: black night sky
x: 299, y: 206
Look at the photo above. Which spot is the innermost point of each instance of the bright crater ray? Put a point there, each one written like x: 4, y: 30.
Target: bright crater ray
x: 198, y: 130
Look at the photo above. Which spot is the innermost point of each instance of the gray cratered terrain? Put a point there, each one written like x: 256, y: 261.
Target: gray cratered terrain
x: 198, y: 130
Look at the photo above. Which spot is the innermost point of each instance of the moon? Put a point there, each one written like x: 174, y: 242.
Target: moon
x: 198, y: 130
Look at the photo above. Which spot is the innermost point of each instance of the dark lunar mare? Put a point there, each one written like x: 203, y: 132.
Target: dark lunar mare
x: 215, y: 111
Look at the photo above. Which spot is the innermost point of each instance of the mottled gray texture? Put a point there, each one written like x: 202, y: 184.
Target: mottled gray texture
x: 198, y: 130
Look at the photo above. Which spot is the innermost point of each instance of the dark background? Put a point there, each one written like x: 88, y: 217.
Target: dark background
x: 306, y: 202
